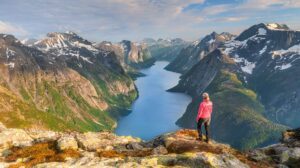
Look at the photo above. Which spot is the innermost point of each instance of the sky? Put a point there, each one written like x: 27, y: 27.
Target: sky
x: 115, y: 20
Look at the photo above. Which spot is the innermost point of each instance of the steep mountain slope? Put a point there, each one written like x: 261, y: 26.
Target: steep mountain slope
x: 166, y: 50
x: 269, y: 55
x: 137, y: 55
x: 238, y: 115
x: 261, y: 87
x: 70, y: 85
x: 131, y: 55
x: 193, y: 53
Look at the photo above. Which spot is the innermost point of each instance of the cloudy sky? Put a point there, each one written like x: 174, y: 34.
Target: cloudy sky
x: 115, y: 20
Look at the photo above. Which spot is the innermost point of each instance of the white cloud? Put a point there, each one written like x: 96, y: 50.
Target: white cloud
x: 230, y: 19
x: 216, y: 9
x: 263, y: 4
x: 134, y: 19
x: 8, y: 28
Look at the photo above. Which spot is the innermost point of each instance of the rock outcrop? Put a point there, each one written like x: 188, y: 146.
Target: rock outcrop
x: 104, y: 149
x: 284, y: 154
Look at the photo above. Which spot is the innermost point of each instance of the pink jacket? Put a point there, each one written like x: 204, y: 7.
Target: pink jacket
x: 205, y: 110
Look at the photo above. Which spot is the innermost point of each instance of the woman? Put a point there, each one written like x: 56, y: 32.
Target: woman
x: 204, y: 116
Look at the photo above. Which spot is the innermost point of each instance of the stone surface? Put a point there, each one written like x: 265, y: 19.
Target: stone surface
x: 13, y: 137
x: 160, y: 150
x: 67, y: 142
x: 92, y: 141
x: 177, y: 149
x: 286, y: 154
x: 43, y: 135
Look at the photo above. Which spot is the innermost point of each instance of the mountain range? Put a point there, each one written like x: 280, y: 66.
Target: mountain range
x: 65, y: 82
x: 253, y: 82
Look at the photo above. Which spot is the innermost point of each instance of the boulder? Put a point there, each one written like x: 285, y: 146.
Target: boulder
x: 43, y: 135
x: 14, y: 137
x: 160, y: 150
x: 134, y: 146
x: 291, y: 135
x: 202, y: 159
x: 290, y: 154
x: 67, y: 142
x: 93, y: 141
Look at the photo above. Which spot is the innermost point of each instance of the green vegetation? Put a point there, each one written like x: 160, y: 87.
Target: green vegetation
x: 237, y: 110
x: 238, y: 117
x: 24, y: 94
x: 61, y: 107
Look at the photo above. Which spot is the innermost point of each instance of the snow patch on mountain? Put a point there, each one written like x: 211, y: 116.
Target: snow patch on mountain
x: 234, y: 44
x: 272, y: 25
x: 263, y: 50
x: 9, y: 53
x: 245, y: 65
x: 10, y: 64
x: 262, y: 31
x: 211, y: 41
x: 284, y: 66
x: 88, y: 47
x: 293, y: 49
x: 195, y: 43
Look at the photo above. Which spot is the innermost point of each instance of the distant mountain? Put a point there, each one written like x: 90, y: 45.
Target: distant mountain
x: 137, y: 55
x: 253, y: 81
x: 193, y: 53
x: 131, y: 55
x: 63, y: 83
x: 165, y: 49
x: 29, y: 42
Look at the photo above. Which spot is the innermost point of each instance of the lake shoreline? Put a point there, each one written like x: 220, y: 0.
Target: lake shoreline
x: 154, y: 104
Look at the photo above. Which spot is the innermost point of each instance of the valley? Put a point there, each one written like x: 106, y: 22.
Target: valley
x: 156, y: 110
x: 64, y: 82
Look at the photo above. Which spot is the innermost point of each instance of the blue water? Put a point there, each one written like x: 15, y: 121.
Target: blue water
x: 156, y: 110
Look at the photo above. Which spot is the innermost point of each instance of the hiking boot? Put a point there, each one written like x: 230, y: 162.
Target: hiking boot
x: 199, y: 139
x: 207, y: 140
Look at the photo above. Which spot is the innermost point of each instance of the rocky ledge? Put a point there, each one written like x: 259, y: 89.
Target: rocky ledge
x: 43, y: 149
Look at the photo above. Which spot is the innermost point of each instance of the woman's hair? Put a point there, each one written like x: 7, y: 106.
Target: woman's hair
x: 205, y: 96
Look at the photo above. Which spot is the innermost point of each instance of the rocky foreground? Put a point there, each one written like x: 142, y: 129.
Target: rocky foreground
x: 41, y: 149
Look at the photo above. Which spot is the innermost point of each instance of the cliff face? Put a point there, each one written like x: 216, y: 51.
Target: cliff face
x: 131, y: 55
x: 137, y: 55
x: 39, y: 148
x: 165, y: 49
x: 193, y: 53
x: 64, y: 84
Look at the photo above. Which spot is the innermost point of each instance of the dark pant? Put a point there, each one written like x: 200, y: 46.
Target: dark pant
x: 206, y: 122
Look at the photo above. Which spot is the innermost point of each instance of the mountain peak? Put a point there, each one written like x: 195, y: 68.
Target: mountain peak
x: 276, y: 26
x: 8, y: 38
x: 63, y: 40
x: 70, y: 32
